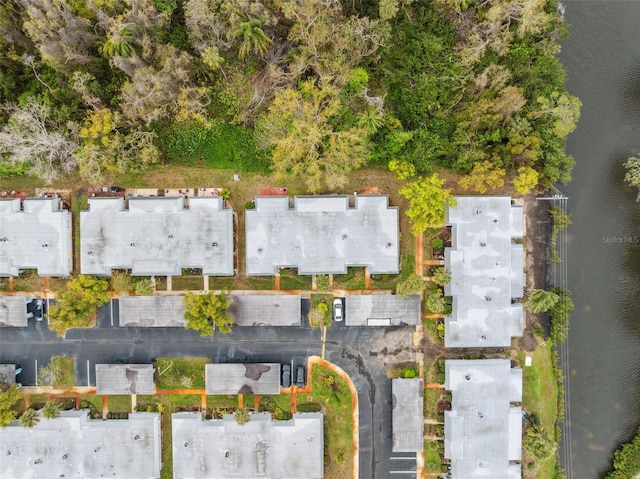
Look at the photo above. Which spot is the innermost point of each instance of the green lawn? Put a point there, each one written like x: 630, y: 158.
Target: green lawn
x: 181, y: 373
x: 539, y: 396
x: 354, y: 279
x: 63, y: 372
x: 317, y: 317
x: 432, y: 460
x: 332, y: 393
x: 220, y: 401
x: 119, y: 403
x: 191, y: 283
x: 290, y: 280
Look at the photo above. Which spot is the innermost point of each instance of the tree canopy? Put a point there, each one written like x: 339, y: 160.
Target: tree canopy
x: 207, y: 312
x: 328, y: 87
x: 76, y: 303
x: 10, y: 397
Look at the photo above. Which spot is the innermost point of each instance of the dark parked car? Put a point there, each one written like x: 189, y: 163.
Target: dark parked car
x: 286, y: 375
x: 301, y: 376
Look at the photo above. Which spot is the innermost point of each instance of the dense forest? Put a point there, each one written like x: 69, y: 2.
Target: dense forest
x: 314, y: 88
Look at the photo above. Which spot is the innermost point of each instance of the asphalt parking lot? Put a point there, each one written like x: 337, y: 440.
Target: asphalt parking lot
x: 362, y: 352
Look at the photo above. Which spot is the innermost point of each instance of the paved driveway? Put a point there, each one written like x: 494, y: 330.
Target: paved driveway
x: 362, y: 352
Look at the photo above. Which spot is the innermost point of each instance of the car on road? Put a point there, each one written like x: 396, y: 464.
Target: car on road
x: 301, y: 376
x: 286, y: 375
x: 338, y: 310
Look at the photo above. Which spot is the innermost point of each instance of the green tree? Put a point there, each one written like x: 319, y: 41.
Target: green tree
x: 526, y: 180
x: 76, y: 303
x: 427, y: 201
x: 539, y: 444
x: 559, y: 313
x: 414, y: 284
x: 206, y: 312
x: 626, y: 460
x: 51, y: 410
x: 540, y: 301
x: 441, y: 276
x: 119, y: 42
x: 254, y: 40
x: 243, y: 416
x: 561, y: 220
x: 632, y: 177
x: 301, y: 128
x: 29, y: 418
x: 434, y: 302
x: 145, y: 287
x: 122, y: 283
x: 484, y: 175
x: 9, y: 400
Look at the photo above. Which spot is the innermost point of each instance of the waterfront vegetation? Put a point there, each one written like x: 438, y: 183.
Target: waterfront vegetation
x: 543, y: 400
x: 626, y: 460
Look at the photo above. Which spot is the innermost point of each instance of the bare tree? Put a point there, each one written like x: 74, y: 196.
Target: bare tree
x: 30, y: 137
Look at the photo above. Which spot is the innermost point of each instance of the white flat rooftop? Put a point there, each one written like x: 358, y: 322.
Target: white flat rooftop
x: 38, y: 236
x: 487, y: 272
x: 156, y: 236
x: 260, y: 449
x: 321, y: 235
x: 483, y: 429
x: 74, y: 446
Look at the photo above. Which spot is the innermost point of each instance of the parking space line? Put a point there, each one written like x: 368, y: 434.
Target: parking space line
x: 111, y: 309
x: 403, y: 472
x: 36, y: 373
x: 88, y: 379
x: 403, y: 458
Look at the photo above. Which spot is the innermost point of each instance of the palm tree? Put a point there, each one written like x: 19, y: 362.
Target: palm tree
x: 441, y: 276
x: 51, y: 410
x: 242, y: 416
x: 29, y: 418
x: 253, y: 38
x: 541, y: 301
x: 118, y: 42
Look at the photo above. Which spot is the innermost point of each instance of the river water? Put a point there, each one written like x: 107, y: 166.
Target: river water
x: 602, y: 57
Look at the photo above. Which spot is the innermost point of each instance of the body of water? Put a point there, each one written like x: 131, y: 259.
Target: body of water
x: 602, y: 57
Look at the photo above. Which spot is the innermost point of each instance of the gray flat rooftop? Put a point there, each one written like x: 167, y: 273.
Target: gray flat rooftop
x: 124, y: 379
x: 321, y: 234
x: 7, y: 374
x: 253, y: 378
x: 260, y: 449
x: 407, y: 402
x: 13, y: 311
x: 35, y: 237
x: 74, y: 446
x: 246, y: 310
x: 382, y: 310
x: 265, y: 309
x: 151, y: 311
x: 483, y: 429
x: 156, y: 236
x: 487, y: 271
